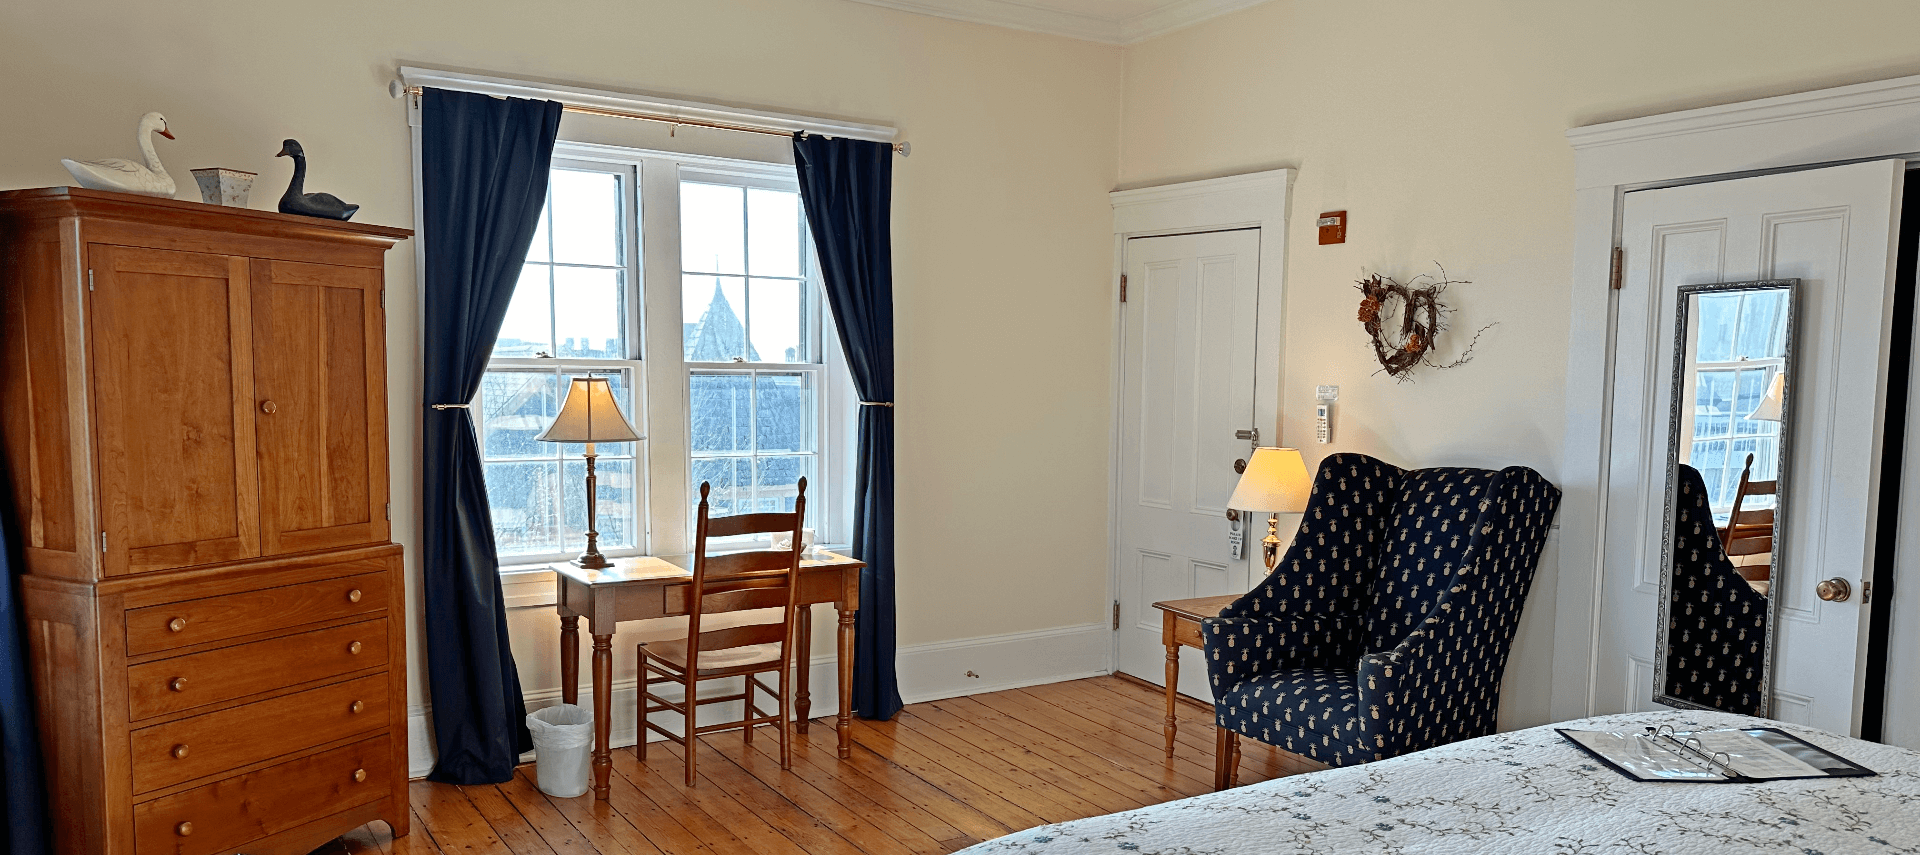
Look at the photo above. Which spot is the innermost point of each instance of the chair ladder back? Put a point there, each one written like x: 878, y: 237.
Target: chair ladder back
x: 745, y: 580
x: 1749, y: 524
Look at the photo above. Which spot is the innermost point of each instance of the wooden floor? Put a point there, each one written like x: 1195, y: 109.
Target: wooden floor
x: 941, y: 776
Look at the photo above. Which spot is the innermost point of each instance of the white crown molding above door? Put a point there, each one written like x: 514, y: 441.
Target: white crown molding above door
x: 1105, y: 29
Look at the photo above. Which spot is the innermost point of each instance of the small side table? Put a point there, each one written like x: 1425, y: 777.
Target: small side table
x: 1180, y: 625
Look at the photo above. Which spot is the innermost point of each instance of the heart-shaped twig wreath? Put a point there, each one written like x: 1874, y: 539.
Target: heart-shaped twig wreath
x: 1419, y: 316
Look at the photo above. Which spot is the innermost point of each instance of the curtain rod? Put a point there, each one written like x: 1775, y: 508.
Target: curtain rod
x: 903, y: 149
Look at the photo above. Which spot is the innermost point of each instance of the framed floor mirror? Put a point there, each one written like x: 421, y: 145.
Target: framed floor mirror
x: 1728, y: 437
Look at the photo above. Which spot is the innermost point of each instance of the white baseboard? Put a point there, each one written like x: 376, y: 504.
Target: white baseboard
x: 927, y: 672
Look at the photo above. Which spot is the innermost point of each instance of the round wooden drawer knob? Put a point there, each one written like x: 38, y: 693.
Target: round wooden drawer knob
x: 359, y: 776
x: 176, y: 624
x: 357, y: 707
x: 353, y: 596
x: 269, y: 407
x: 354, y: 648
x: 183, y: 829
x: 180, y: 752
x: 178, y: 684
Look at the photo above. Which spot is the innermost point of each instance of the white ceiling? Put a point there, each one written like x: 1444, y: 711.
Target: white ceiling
x: 1116, y: 22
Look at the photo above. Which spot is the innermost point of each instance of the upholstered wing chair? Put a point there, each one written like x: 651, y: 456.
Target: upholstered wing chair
x: 1385, y: 628
x: 1716, y: 621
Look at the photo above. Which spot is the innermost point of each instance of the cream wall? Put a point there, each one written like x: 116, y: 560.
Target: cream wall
x: 1001, y: 226
x: 1439, y: 127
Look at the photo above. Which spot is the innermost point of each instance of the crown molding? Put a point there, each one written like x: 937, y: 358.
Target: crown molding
x: 1094, y: 28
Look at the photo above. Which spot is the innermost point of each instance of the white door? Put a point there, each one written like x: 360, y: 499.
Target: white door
x: 1834, y: 230
x: 1187, y: 391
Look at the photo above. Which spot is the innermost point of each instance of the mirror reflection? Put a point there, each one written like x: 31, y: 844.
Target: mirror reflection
x: 1727, y: 450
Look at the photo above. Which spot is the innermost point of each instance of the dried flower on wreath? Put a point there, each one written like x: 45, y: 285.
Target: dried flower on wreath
x: 1405, y: 321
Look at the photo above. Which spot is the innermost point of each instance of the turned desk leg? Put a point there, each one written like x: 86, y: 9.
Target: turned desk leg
x: 802, y: 667
x: 602, y: 714
x: 1173, y: 693
x: 846, y: 682
x: 570, y: 659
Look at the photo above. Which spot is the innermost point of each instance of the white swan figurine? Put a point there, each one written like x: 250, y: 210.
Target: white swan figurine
x: 125, y: 176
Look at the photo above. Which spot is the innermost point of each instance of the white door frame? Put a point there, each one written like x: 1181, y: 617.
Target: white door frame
x: 1253, y: 200
x: 1859, y: 122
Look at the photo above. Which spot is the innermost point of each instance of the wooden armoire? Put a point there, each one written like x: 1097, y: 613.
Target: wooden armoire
x: 196, y: 440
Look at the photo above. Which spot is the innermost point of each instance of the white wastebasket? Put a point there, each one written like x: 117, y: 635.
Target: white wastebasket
x: 562, y: 749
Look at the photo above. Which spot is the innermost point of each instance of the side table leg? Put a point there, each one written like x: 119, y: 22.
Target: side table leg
x: 570, y: 659
x: 846, y: 683
x: 802, y: 667
x: 602, y: 714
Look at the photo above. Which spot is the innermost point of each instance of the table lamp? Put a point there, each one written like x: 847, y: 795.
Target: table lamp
x: 1274, y: 483
x: 590, y: 415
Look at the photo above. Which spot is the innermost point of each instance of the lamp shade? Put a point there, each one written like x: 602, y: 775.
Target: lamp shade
x: 1769, y: 409
x: 589, y: 415
x: 1275, y: 482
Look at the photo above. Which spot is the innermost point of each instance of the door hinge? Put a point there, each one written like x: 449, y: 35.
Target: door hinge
x: 1618, y: 270
x: 103, y: 543
x: 1866, y: 592
x: 89, y: 279
x: 1116, y: 614
x: 383, y: 298
x: 1123, y: 287
x: 389, y: 510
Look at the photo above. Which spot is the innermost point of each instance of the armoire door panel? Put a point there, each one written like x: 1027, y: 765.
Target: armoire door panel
x: 321, y: 402
x: 172, y: 378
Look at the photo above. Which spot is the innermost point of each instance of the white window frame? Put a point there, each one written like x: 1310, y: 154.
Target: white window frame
x: 664, y: 494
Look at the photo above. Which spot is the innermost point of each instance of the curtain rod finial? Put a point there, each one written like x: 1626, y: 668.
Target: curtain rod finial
x: 905, y: 149
x: 395, y: 88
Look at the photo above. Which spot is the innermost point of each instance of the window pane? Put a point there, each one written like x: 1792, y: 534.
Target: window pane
x: 515, y: 407
x: 713, y: 309
x: 528, y: 328
x: 1762, y: 328
x: 1713, y: 407
x: 589, y: 312
x: 784, y: 420
x: 712, y: 222
x: 620, y: 382
x: 732, y: 480
x: 778, y: 481
x: 1718, y: 313
x: 614, y: 516
x: 541, y: 249
x: 777, y: 321
x: 773, y: 232
x: 1752, y: 386
x: 523, y: 501
x: 586, y: 217
x: 721, y: 410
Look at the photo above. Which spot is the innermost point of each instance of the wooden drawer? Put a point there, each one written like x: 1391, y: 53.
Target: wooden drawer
x: 185, y: 682
x: 228, y: 813
x: 166, y: 754
x: 175, y: 625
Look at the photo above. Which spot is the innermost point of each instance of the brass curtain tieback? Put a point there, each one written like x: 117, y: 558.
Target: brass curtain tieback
x: 876, y: 403
x: 453, y: 406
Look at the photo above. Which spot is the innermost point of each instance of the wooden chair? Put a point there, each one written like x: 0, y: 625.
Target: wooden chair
x: 732, y: 582
x: 1750, y: 532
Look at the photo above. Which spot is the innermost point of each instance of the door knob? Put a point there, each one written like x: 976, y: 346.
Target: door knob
x: 1240, y: 466
x: 1835, y: 590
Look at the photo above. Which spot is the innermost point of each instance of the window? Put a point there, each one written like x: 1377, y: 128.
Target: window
x: 751, y: 331
x: 751, y: 397
x: 1741, y: 345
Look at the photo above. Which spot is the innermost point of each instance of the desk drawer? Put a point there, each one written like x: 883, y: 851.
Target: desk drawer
x: 228, y: 813
x: 166, y: 754
x: 175, y: 625
x: 185, y: 682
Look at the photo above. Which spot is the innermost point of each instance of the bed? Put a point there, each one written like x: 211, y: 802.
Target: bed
x: 1526, y: 791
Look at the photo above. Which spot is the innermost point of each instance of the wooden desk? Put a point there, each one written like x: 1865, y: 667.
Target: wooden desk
x: 1180, y: 625
x: 654, y: 587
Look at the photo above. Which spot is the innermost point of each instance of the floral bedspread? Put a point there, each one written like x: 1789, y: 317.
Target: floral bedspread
x: 1526, y: 791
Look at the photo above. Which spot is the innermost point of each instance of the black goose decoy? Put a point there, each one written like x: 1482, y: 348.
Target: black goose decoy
x: 297, y: 201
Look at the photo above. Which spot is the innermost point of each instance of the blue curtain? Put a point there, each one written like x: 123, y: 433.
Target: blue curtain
x: 847, y: 188
x: 483, y: 176
x: 23, y: 791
